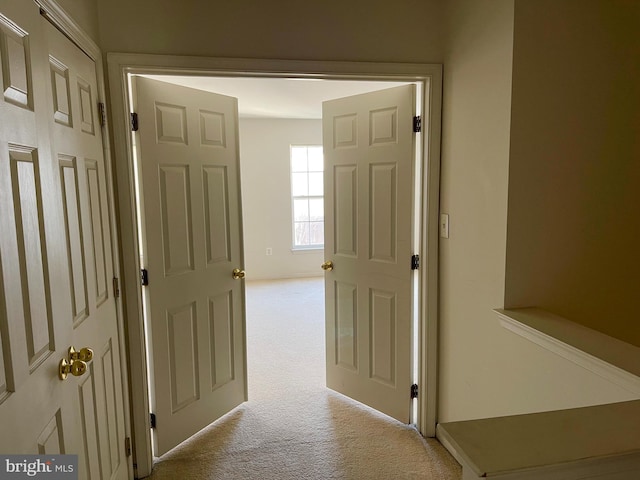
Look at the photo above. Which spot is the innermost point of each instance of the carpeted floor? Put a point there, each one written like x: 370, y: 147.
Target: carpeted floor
x: 293, y: 427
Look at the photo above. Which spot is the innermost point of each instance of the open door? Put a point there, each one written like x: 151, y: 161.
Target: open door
x: 194, y: 300
x: 369, y: 151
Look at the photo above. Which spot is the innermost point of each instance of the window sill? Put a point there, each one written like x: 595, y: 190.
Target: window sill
x: 608, y: 357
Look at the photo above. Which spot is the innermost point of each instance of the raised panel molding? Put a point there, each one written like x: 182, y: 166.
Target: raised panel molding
x: 75, y: 238
x: 61, y: 92
x: 177, y: 222
x: 212, y: 129
x: 345, y: 210
x: 15, y: 59
x: 382, y: 210
x: 346, y: 315
x: 345, y: 131
x: 383, y: 126
x: 182, y: 332
x: 86, y: 107
x: 51, y: 440
x: 216, y: 205
x: 382, y: 336
x: 171, y: 123
x: 221, y: 338
x: 97, y: 231
x: 32, y: 254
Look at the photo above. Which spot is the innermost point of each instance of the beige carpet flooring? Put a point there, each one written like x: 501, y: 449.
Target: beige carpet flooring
x: 293, y: 427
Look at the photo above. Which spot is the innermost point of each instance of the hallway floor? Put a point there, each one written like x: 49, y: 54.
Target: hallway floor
x: 293, y: 427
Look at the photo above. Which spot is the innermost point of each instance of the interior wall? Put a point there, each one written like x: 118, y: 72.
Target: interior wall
x: 266, y: 197
x: 484, y: 369
x: 85, y: 14
x: 574, y: 181
x: 405, y: 31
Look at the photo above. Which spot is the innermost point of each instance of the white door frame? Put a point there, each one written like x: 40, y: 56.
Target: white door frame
x: 67, y: 25
x: 121, y: 65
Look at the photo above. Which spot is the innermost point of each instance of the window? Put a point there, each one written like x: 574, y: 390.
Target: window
x: 307, y: 188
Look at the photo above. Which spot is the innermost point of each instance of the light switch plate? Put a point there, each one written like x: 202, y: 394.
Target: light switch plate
x: 444, y: 225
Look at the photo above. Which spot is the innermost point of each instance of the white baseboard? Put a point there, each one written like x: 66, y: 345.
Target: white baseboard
x: 266, y: 278
x: 447, y: 443
x: 622, y: 467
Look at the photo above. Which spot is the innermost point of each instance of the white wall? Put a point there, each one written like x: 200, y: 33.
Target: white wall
x: 266, y: 197
x: 85, y: 14
x: 360, y: 30
x: 574, y: 180
x: 486, y: 370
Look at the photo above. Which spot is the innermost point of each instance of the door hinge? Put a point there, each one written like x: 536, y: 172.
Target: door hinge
x: 414, y: 391
x: 144, y: 277
x: 116, y: 287
x: 153, y: 420
x: 102, y: 114
x: 415, y: 262
x: 134, y: 122
x: 417, y: 124
x: 127, y: 446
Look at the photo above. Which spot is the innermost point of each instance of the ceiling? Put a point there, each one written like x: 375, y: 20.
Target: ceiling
x: 278, y: 97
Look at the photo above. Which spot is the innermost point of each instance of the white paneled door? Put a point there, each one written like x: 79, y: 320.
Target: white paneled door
x: 55, y: 254
x: 369, y: 150
x: 190, y: 183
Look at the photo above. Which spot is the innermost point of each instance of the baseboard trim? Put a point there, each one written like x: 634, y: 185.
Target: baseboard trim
x: 294, y: 276
x: 448, y: 443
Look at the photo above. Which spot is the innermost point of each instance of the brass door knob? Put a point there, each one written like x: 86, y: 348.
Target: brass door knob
x: 85, y: 354
x: 238, y: 274
x: 76, y: 368
x: 327, y: 266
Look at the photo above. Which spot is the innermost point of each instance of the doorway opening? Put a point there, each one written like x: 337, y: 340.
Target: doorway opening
x: 424, y: 75
x: 276, y: 116
x: 285, y: 338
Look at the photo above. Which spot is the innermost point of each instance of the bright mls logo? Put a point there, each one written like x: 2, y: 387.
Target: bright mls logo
x: 50, y: 467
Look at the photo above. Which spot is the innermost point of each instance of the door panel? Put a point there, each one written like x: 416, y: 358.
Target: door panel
x: 216, y: 215
x: 32, y: 254
x: 188, y: 161
x: 53, y: 280
x: 177, y: 222
x: 96, y: 213
x: 369, y: 153
x: 75, y: 237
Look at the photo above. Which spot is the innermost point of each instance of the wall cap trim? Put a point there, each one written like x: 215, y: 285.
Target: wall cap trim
x: 608, y: 357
